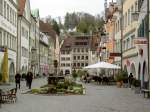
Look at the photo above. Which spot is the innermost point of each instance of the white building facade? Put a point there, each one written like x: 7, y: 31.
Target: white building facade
x: 24, y: 22
x: 8, y: 33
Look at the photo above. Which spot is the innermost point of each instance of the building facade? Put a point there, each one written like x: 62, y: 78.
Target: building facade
x: 130, y: 38
x: 44, y: 47
x: 78, y: 52
x: 8, y: 34
x: 24, y: 24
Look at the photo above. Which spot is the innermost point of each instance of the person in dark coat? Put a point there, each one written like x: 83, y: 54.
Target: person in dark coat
x: 130, y: 78
x: 17, y: 80
x: 29, y: 79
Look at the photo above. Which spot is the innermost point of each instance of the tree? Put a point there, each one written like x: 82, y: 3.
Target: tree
x: 56, y: 26
x: 83, y: 22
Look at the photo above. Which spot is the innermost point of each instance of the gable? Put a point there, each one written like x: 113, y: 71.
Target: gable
x: 27, y: 11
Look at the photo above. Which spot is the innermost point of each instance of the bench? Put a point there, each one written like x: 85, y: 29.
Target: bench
x: 146, y: 93
x: 9, y: 96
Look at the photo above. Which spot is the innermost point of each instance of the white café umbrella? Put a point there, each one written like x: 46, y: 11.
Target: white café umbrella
x: 103, y: 65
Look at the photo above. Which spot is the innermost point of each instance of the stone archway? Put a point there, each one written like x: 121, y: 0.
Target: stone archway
x: 12, y: 72
x: 133, y: 70
x: 144, y: 76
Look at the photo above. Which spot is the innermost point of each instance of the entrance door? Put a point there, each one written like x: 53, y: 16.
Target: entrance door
x: 11, y: 72
x: 145, y: 76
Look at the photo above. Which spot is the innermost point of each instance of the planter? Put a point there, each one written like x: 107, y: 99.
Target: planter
x: 137, y: 90
x: 119, y: 84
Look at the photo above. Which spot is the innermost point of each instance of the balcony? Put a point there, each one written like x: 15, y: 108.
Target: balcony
x: 130, y: 52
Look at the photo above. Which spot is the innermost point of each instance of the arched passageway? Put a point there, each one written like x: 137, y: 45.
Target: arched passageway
x: 12, y: 72
x: 144, y: 76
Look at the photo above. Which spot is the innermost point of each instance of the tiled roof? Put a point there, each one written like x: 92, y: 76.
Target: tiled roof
x: 47, y: 28
x: 21, y: 4
x: 67, y: 44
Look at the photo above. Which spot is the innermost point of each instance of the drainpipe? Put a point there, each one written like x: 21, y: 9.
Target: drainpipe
x: 148, y: 45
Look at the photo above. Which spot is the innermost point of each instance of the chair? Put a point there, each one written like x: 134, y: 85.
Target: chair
x: 9, y: 96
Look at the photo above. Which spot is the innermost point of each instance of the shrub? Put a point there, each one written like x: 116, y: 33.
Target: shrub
x: 35, y: 91
x: 122, y: 76
x: 136, y: 83
x: 74, y: 74
x: 52, y: 90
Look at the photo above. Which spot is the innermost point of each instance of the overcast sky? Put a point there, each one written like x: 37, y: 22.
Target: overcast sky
x: 57, y: 8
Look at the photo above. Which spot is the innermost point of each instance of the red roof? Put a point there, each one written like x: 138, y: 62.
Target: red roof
x: 21, y: 4
x: 47, y: 28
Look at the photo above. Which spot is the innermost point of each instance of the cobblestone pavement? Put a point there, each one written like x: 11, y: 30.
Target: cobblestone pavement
x: 97, y: 99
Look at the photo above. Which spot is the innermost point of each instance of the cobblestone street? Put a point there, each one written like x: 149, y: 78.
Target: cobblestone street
x: 97, y: 99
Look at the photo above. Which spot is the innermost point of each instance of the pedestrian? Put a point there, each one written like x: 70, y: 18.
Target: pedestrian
x: 29, y: 79
x: 130, y: 79
x: 17, y: 80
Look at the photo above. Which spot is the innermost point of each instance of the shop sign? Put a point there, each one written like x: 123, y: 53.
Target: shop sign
x: 140, y: 41
x: 115, y: 54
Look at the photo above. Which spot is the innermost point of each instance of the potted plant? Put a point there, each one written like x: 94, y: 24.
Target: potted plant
x: 136, y: 84
x: 119, y: 80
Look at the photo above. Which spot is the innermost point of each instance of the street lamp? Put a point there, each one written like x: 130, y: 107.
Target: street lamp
x: 121, y: 29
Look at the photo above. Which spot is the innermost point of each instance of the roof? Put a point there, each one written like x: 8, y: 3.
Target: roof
x: 21, y: 6
x: 67, y: 44
x: 77, y: 41
x: 47, y: 28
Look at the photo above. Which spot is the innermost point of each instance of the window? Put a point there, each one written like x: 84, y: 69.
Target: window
x: 74, y: 57
x: 62, y: 59
x: 82, y: 64
x: 128, y: 43
x: 5, y: 9
x: 25, y: 52
x: 132, y: 40
x: 1, y: 7
x: 0, y: 38
x: 86, y: 64
x: 4, y: 38
x: 74, y: 50
x: 67, y: 52
x: 82, y: 50
x: 8, y: 12
x: 78, y: 57
x: 68, y: 64
x: 74, y: 64
x: 82, y: 57
x: 129, y: 16
x: 86, y: 57
x: 132, y: 11
x: 86, y: 49
x: 11, y: 15
x: 78, y: 64
x: 67, y: 59
x: 8, y: 41
x: 78, y: 50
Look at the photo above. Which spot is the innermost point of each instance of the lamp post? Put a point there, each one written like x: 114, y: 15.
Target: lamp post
x: 121, y: 29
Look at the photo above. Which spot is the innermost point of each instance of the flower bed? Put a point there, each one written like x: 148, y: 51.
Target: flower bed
x: 65, y: 88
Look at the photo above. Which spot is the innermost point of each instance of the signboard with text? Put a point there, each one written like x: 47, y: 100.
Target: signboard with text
x: 140, y: 41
